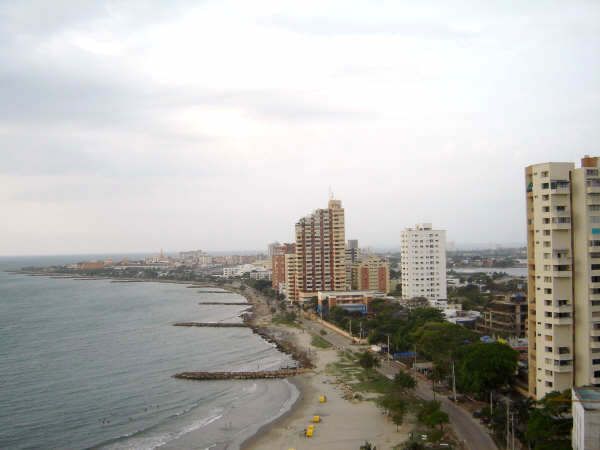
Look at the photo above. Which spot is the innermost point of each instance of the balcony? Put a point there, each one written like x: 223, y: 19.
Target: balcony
x: 560, y: 190
x: 595, y: 344
x: 595, y: 332
x: 557, y: 320
x: 562, y: 368
x: 561, y: 271
x: 560, y: 259
x: 558, y: 226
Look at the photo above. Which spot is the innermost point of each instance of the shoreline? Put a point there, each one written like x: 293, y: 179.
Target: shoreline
x: 282, y: 420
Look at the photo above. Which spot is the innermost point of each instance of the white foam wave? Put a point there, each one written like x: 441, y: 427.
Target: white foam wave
x: 158, y: 440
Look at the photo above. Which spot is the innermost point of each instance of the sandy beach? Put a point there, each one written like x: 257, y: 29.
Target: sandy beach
x: 345, y: 424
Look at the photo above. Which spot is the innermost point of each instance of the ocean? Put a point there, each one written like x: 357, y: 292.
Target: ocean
x: 89, y: 364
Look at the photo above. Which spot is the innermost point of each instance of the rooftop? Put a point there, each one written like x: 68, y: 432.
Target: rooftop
x: 589, y: 397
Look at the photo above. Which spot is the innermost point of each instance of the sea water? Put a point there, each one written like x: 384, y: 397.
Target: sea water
x: 89, y: 364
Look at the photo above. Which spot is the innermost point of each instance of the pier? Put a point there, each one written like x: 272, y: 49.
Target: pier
x: 211, y: 324
x: 226, y: 303
x: 214, y: 292
x: 260, y: 374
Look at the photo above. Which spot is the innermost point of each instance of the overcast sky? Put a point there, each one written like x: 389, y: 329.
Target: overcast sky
x: 131, y: 126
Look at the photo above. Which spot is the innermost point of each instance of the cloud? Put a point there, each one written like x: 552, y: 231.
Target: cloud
x: 330, y: 26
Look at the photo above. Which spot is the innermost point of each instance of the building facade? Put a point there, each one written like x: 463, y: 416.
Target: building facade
x: 352, y: 256
x: 278, y: 264
x: 320, y: 252
x: 351, y: 301
x: 423, y: 263
x: 586, y: 418
x: 505, y: 315
x: 563, y: 244
x: 371, y: 273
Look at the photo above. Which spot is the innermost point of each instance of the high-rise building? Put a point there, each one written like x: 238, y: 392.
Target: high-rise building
x: 271, y: 248
x: 352, y: 256
x: 371, y: 273
x: 278, y: 264
x: 423, y: 263
x: 320, y: 252
x: 563, y: 250
x: 289, y: 287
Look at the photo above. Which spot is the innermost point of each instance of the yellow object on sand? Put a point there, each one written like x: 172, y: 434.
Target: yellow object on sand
x: 309, y: 432
x: 316, y: 419
x: 322, y: 399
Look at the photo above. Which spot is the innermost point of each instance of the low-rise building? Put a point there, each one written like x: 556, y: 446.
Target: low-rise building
x: 371, y: 273
x: 261, y: 274
x: 352, y: 301
x: 506, y: 315
x: 586, y: 418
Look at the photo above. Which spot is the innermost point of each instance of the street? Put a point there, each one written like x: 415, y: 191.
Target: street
x: 473, y: 434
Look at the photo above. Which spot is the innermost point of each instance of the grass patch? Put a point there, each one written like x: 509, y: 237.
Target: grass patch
x: 285, y: 320
x: 372, y: 381
x: 319, y: 342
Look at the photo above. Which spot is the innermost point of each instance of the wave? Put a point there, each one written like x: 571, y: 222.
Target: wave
x: 138, y: 441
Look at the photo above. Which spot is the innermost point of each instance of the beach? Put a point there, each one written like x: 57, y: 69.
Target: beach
x: 344, y: 424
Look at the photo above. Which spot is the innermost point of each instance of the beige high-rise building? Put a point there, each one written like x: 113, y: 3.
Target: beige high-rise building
x: 320, y: 252
x: 289, y: 288
x: 563, y: 244
x: 371, y: 273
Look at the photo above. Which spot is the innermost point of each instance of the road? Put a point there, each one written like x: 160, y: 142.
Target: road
x: 469, y: 431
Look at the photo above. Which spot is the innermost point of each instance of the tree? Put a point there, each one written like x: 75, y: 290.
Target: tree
x: 549, y: 425
x: 439, y: 340
x: 483, y: 367
x: 368, y: 361
x: 404, y: 381
x: 432, y: 416
x: 398, y: 418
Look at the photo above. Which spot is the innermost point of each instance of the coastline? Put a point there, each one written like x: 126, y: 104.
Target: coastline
x: 346, y: 423
x: 300, y: 404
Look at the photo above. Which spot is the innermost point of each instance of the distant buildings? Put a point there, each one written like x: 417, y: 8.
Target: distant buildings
x: 563, y: 241
x: 586, y: 418
x: 505, y: 315
x: 423, y: 263
x: 320, y: 252
x: 271, y: 248
x: 371, y: 273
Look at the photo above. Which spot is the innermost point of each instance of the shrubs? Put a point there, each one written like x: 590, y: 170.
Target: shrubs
x: 368, y: 361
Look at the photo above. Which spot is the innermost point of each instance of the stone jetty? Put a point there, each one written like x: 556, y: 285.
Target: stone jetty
x: 226, y: 303
x: 212, y: 324
x: 259, y: 374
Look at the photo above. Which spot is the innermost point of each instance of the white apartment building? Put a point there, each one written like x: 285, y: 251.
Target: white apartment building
x: 586, y: 418
x: 423, y: 263
x: 563, y: 249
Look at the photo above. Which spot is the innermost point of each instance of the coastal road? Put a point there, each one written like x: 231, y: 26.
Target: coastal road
x: 469, y: 431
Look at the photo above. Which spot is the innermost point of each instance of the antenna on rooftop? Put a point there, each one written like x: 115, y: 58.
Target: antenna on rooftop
x: 330, y: 193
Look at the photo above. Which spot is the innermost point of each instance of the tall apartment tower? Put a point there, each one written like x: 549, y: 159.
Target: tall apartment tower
x: 352, y: 256
x: 320, y: 252
x: 278, y: 264
x: 563, y: 249
x: 423, y: 263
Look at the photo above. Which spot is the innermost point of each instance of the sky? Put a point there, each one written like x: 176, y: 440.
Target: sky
x: 216, y: 125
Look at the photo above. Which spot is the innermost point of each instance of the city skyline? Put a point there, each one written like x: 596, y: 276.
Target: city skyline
x: 129, y: 126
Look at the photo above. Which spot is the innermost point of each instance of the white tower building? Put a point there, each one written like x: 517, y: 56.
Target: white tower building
x: 423, y: 263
